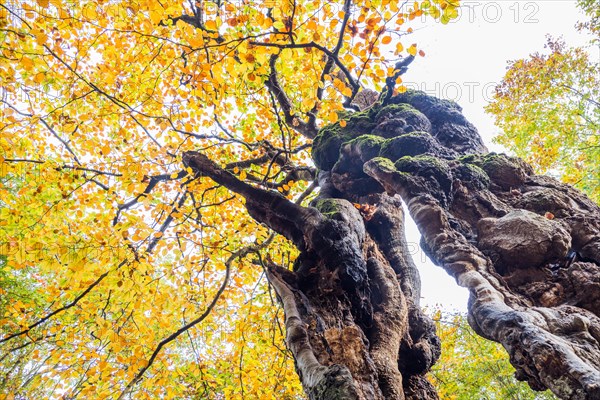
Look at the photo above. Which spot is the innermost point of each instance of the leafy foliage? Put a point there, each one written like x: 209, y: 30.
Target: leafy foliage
x: 592, y: 10
x: 474, y: 368
x: 548, y: 107
x: 124, y: 274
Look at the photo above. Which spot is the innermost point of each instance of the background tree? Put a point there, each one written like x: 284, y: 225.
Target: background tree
x: 170, y: 146
x: 548, y: 107
x: 471, y: 367
x: 593, y: 12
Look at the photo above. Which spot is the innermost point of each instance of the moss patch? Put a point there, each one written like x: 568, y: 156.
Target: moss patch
x: 423, y: 162
x: 435, y: 174
x: 411, y: 144
x: 506, y: 172
x: 384, y: 164
x: 327, y: 207
x: 367, y: 146
x: 391, y: 110
x: 327, y: 144
x: 472, y: 176
x: 425, y: 103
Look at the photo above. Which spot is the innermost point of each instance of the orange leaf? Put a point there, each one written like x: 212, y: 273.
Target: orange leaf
x: 332, y: 117
x: 211, y: 25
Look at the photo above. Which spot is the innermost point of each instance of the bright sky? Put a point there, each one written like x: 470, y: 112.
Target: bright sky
x: 464, y: 60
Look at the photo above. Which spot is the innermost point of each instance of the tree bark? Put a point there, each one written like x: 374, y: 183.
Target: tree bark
x: 527, y: 247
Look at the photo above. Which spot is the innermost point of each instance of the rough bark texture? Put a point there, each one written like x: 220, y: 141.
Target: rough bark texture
x: 527, y: 247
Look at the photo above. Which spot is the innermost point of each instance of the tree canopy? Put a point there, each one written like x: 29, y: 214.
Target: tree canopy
x: 159, y: 199
x: 115, y: 253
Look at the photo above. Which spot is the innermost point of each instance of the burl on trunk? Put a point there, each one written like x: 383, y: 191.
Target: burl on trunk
x: 527, y: 247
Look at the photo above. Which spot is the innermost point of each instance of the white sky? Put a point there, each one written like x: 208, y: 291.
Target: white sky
x: 464, y: 60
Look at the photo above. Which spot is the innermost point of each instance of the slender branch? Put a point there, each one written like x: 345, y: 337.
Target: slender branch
x: 167, y: 222
x: 582, y: 95
x: 272, y: 83
x: 50, y: 129
x: 238, y: 254
x: 61, y: 309
x: 340, y: 42
x: 153, y: 181
x: 15, y: 160
x: 351, y: 80
x: 333, y: 59
x: 84, y: 169
x: 100, y: 184
x: 306, y: 193
x: 113, y: 99
x: 390, y: 83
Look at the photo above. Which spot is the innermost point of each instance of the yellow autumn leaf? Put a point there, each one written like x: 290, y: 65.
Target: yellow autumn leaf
x: 279, y: 25
x: 412, y: 50
x: 40, y: 38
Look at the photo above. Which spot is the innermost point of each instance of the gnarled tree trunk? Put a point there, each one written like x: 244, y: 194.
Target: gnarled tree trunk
x: 527, y: 247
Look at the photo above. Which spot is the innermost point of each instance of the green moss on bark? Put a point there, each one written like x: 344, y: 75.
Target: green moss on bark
x: 410, y: 144
x: 327, y: 144
x: 506, y: 172
x: 395, y: 109
x: 328, y: 207
x: 472, y: 176
x: 367, y: 146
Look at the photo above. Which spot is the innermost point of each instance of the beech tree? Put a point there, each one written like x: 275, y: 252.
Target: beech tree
x: 549, y: 111
x: 471, y: 367
x: 156, y: 161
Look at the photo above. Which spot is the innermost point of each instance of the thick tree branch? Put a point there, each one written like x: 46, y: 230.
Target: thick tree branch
x: 528, y: 332
x: 270, y: 208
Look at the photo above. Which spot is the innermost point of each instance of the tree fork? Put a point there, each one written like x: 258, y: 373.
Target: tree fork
x: 527, y: 247
x: 350, y: 298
